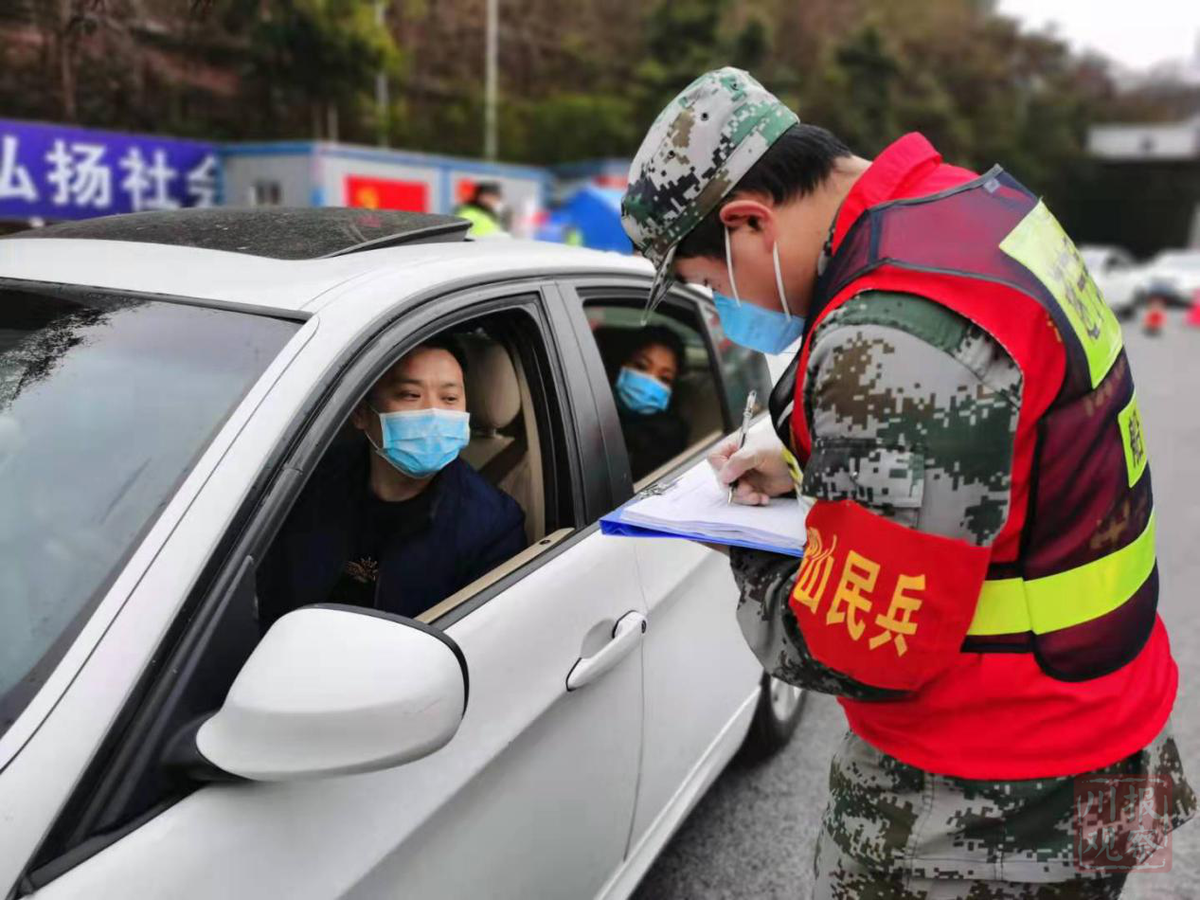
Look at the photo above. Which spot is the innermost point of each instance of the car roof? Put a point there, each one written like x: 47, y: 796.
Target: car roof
x: 278, y: 232
x: 1179, y: 254
x: 287, y: 285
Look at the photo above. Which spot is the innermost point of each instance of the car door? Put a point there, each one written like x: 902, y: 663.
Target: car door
x: 534, y: 796
x: 701, y: 679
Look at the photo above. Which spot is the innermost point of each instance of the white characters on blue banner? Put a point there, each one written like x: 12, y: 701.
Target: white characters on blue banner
x: 79, y: 175
x: 15, y: 182
x: 42, y: 174
x: 148, y: 185
x: 202, y: 182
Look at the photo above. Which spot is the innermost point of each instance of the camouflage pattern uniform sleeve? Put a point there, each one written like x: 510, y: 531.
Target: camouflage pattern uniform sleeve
x: 913, y: 412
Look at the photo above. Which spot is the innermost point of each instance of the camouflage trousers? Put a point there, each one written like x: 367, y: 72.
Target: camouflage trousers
x: 892, y: 831
x: 842, y: 877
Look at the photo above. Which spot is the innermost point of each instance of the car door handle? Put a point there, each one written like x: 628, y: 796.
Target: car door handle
x: 627, y: 634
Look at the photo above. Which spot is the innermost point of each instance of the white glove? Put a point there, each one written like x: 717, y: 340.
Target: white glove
x: 758, y: 468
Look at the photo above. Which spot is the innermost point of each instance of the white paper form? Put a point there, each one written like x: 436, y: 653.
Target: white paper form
x: 695, y: 506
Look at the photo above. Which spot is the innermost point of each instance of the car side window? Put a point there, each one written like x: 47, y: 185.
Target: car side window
x: 434, y: 480
x: 669, y: 381
x: 503, y: 500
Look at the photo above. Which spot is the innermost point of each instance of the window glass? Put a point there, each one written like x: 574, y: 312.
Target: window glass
x: 266, y: 193
x: 663, y: 380
x: 437, y: 478
x: 105, y: 404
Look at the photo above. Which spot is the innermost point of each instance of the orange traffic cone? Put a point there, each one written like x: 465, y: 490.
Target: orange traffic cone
x: 1193, y: 316
x: 1155, y: 318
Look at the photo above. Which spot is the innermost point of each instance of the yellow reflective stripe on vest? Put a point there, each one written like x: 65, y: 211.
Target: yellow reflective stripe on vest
x: 1013, y: 605
x: 1001, y: 608
x: 482, y: 225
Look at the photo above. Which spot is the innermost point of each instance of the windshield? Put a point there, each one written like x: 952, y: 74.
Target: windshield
x: 106, y: 401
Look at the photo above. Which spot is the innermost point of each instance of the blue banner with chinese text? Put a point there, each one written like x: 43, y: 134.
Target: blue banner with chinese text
x: 60, y: 172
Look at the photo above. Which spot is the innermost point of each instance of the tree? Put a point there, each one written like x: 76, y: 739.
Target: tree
x: 324, y: 53
x: 859, y: 91
x: 569, y: 126
x: 68, y: 24
x: 683, y: 38
x: 578, y: 80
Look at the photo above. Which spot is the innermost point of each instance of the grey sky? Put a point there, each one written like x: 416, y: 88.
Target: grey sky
x: 1137, y: 34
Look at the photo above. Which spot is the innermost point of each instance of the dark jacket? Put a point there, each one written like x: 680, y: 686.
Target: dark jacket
x: 469, y: 527
x: 651, y: 439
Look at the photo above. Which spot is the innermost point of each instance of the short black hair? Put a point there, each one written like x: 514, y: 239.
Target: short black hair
x: 799, y: 160
x: 486, y: 187
x: 660, y: 335
x: 445, y: 341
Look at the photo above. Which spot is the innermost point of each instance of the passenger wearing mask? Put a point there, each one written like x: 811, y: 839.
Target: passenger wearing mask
x: 395, y: 520
x: 654, y: 433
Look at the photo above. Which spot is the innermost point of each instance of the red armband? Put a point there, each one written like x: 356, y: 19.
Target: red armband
x: 880, y: 602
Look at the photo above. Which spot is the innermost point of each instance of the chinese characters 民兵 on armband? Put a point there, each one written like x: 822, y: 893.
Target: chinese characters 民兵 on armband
x: 880, y: 602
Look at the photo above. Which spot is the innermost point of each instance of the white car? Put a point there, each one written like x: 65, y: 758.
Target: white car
x: 1117, y: 275
x: 168, y: 381
x: 1173, y: 276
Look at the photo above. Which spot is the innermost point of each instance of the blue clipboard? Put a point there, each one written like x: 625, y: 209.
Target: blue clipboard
x: 614, y: 525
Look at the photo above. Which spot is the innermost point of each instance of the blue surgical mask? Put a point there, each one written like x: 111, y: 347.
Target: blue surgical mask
x: 641, y: 393
x: 753, y: 326
x: 422, y: 442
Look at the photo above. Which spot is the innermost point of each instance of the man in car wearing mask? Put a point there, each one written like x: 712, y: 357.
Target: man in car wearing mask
x: 395, y: 521
x: 992, y: 646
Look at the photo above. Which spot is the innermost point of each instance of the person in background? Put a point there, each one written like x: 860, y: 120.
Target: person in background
x: 573, y: 236
x: 484, y: 211
x: 643, y: 387
x: 394, y: 520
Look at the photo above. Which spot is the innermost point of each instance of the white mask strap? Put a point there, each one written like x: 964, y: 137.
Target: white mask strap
x: 729, y: 268
x: 779, y: 281
x: 374, y: 446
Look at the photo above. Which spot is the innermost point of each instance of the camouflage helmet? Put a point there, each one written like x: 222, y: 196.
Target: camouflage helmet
x: 696, y: 151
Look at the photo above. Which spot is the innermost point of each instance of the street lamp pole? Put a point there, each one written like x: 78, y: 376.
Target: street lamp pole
x: 382, y: 101
x: 489, y: 111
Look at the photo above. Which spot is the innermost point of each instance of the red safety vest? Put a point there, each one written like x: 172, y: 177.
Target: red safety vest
x: 1065, y: 666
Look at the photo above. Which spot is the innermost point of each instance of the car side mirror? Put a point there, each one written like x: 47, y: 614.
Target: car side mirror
x: 333, y: 690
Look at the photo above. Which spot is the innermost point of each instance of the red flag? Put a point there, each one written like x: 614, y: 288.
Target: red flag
x: 387, y: 193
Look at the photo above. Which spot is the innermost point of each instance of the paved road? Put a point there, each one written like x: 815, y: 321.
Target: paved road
x: 752, y: 836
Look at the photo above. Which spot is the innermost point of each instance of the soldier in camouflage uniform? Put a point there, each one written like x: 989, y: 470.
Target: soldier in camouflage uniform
x: 913, y: 411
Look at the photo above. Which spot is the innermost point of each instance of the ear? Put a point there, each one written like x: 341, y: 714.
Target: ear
x: 358, y: 418
x: 752, y: 213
